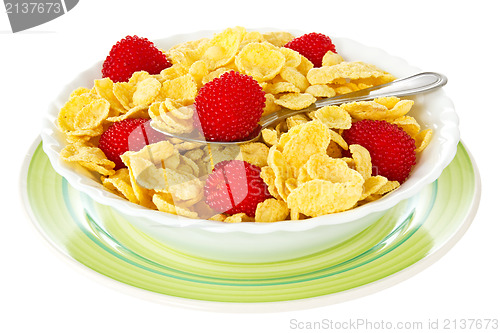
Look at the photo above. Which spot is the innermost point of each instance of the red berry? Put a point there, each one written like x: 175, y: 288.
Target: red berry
x: 392, y: 150
x: 132, y: 54
x: 127, y: 135
x: 235, y: 187
x: 229, y: 108
x: 313, y: 46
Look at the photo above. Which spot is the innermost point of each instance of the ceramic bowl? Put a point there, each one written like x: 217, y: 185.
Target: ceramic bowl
x: 266, y: 242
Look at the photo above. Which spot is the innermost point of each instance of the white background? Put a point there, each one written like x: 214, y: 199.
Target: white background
x: 41, y: 292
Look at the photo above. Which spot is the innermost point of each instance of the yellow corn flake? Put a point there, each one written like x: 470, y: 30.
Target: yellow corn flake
x: 218, y: 217
x: 271, y: 210
x: 223, y: 47
x: 68, y: 113
x: 388, y: 101
x: 366, y: 110
x: 198, y: 71
x: 215, y: 74
x: 195, y: 169
x: 281, y: 87
x: 362, y: 85
x: 195, y: 154
x: 270, y: 106
x: 124, y: 93
x: 238, y: 218
x: 338, y: 139
x: 181, y: 185
x: 345, y: 70
x: 79, y: 91
x: 86, y: 133
x: 422, y: 140
x: 262, y: 61
x: 400, y: 109
x: 89, y: 157
x: 321, y: 90
x: 139, y: 111
x: 218, y: 153
x: 92, y: 115
x: 313, y: 137
x: 331, y: 58
x: 296, y: 101
x: 342, y: 90
x: 165, y: 203
x: 104, y: 88
x: 270, y: 136
x: 255, y: 153
x: 268, y: 176
x: 120, y: 182
x: 292, y: 75
x: 182, y: 89
x: 281, y: 169
x: 293, y: 58
x: 320, y: 197
x: 291, y: 184
x: 172, y: 72
x: 333, y: 117
x: 295, y: 120
x: 372, y: 185
x: 335, y: 170
x: 362, y: 160
x: 137, y: 77
x: 278, y: 38
x: 408, y: 124
x: 185, y: 56
x: 334, y: 150
x: 387, y: 187
x: 146, y: 91
x: 305, y: 66
x: 251, y: 37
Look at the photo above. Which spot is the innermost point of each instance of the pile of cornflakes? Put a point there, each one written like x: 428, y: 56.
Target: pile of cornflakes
x: 300, y: 157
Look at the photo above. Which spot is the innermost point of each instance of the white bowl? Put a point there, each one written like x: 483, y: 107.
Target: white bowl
x: 263, y: 242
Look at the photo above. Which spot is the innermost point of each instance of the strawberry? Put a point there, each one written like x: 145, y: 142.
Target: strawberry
x: 132, y: 54
x: 391, y: 149
x: 313, y: 46
x: 127, y: 135
x: 229, y: 108
x: 235, y: 187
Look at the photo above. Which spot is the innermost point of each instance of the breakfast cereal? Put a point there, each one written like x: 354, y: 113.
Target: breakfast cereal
x: 305, y: 161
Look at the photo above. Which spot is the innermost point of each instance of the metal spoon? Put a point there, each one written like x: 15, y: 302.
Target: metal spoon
x: 411, y: 85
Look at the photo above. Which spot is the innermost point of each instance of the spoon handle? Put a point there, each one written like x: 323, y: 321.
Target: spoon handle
x: 411, y: 85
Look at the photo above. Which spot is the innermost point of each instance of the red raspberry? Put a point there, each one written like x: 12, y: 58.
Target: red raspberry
x: 127, y: 135
x: 229, y: 108
x: 392, y: 150
x: 235, y: 187
x: 132, y: 54
x: 313, y: 46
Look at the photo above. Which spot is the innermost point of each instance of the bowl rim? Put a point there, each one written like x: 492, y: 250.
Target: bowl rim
x: 98, y: 193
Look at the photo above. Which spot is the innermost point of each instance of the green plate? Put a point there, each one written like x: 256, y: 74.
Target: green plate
x: 411, y: 236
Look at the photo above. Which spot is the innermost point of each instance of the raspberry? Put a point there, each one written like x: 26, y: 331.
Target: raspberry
x: 132, y: 54
x: 313, y: 46
x: 392, y: 150
x: 235, y: 187
x: 229, y: 108
x: 127, y: 135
